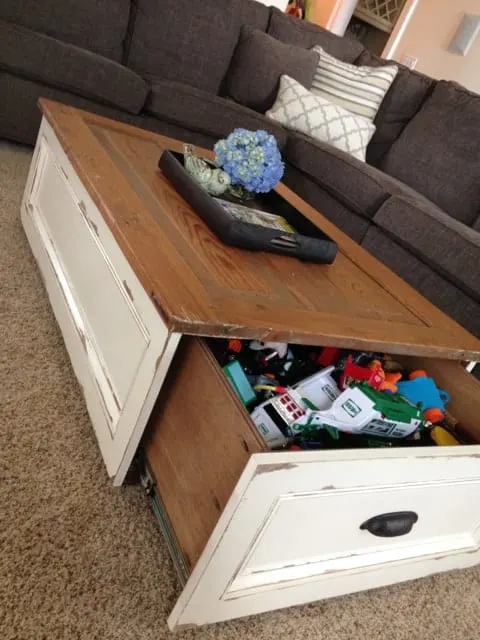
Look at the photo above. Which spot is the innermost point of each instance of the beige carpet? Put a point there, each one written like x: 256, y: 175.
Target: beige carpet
x: 81, y: 560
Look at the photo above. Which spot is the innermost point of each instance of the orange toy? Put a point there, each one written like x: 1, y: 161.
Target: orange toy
x: 389, y: 382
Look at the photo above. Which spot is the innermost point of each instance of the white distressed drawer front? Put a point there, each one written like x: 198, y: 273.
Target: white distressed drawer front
x: 119, y: 347
x: 329, y: 538
x: 291, y: 531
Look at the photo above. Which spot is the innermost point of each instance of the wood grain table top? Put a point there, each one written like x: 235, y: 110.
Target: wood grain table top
x: 203, y: 287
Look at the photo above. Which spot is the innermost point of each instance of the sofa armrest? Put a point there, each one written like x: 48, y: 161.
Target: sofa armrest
x: 38, y: 57
x: 359, y: 186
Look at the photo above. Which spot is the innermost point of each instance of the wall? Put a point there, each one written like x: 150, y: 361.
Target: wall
x: 428, y: 36
x: 322, y: 11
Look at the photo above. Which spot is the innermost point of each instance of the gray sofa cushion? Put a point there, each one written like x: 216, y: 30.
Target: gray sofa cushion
x: 438, y: 152
x: 359, y: 186
x: 99, y: 26
x: 70, y: 68
x: 403, y: 100
x: 306, y: 34
x: 256, y: 85
x: 204, y: 112
x: 20, y: 117
x: 447, y: 245
x: 476, y: 224
x: 191, y: 40
x: 425, y: 279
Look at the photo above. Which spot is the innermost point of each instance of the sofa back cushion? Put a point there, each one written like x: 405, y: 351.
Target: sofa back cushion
x: 256, y: 85
x: 403, y: 100
x: 97, y: 25
x: 305, y: 34
x: 190, y: 41
x: 438, y: 153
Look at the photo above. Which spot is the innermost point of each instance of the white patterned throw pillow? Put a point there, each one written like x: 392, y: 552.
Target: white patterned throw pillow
x: 297, y: 108
x: 361, y: 90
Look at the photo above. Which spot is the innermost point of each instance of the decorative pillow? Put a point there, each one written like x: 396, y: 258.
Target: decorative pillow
x: 257, y: 64
x: 358, y: 89
x: 299, y: 109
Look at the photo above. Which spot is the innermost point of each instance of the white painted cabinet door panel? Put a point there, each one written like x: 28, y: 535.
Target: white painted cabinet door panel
x: 292, y: 530
x: 119, y: 347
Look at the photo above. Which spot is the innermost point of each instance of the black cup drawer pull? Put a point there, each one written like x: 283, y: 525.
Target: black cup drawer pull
x: 390, y: 525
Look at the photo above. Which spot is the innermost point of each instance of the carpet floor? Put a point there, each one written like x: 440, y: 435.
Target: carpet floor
x: 81, y: 560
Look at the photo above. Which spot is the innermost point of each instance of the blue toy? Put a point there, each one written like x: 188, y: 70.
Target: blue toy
x: 421, y: 389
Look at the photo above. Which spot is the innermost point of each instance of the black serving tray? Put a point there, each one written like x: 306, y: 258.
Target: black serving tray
x: 308, y: 243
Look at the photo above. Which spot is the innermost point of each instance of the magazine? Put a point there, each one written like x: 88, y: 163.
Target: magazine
x: 256, y: 216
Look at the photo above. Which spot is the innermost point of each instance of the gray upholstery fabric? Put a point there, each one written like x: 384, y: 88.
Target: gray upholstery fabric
x: 204, y: 112
x: 476, y: 224
x: 360, y: 187
x: 258, y: 62
x: 306, y: 34
x: 96, y: 25
x: 351, y: 224
x: 426, y: 280
x: 445, y: 244
x: 403, y: 100
x: 20, y: 117
x: 70, y: 68
x: 438, y: 152
x: 190, y: 40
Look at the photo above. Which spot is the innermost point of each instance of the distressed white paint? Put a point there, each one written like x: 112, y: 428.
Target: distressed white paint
x: 290, y: 532
x: 119, y: 347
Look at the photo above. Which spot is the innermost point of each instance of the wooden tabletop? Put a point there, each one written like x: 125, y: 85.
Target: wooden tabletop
x: 203, y: 287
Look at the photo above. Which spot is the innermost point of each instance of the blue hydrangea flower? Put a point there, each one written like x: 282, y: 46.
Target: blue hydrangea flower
x: 251, y: 158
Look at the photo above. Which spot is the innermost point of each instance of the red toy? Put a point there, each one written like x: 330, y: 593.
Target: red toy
x: 328, y: 357
x: 373, y: 374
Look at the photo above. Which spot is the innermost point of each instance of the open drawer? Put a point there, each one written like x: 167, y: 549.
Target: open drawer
x: 259, y: 530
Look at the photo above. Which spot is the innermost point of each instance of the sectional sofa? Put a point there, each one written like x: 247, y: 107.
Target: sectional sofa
x: 165, y: 65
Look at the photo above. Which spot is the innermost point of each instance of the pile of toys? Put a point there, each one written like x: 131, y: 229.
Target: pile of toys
x: 309, y: 398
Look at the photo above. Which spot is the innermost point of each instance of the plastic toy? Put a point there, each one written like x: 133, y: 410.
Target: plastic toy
x: 363, y: 410
x: 390, y: 382
x: 444, y: 437
x: 280, y: 348
x: 274, y: 417
x: 421, y: 389
x: 373, y: 374
x: 328, y: 356
x: 270, y: 387
x: 240, y: 383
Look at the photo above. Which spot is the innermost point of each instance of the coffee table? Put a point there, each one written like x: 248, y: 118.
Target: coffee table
x: 130, y: 269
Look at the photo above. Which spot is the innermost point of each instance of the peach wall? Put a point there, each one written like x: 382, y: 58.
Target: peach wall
x: 428, y: 36
x: 321, y: 11
x: 331, y: 14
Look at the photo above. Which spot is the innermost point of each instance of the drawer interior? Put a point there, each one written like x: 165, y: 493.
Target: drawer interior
x: 200, y: 438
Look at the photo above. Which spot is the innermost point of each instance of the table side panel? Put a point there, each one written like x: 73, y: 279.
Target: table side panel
x: 119, y: 347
